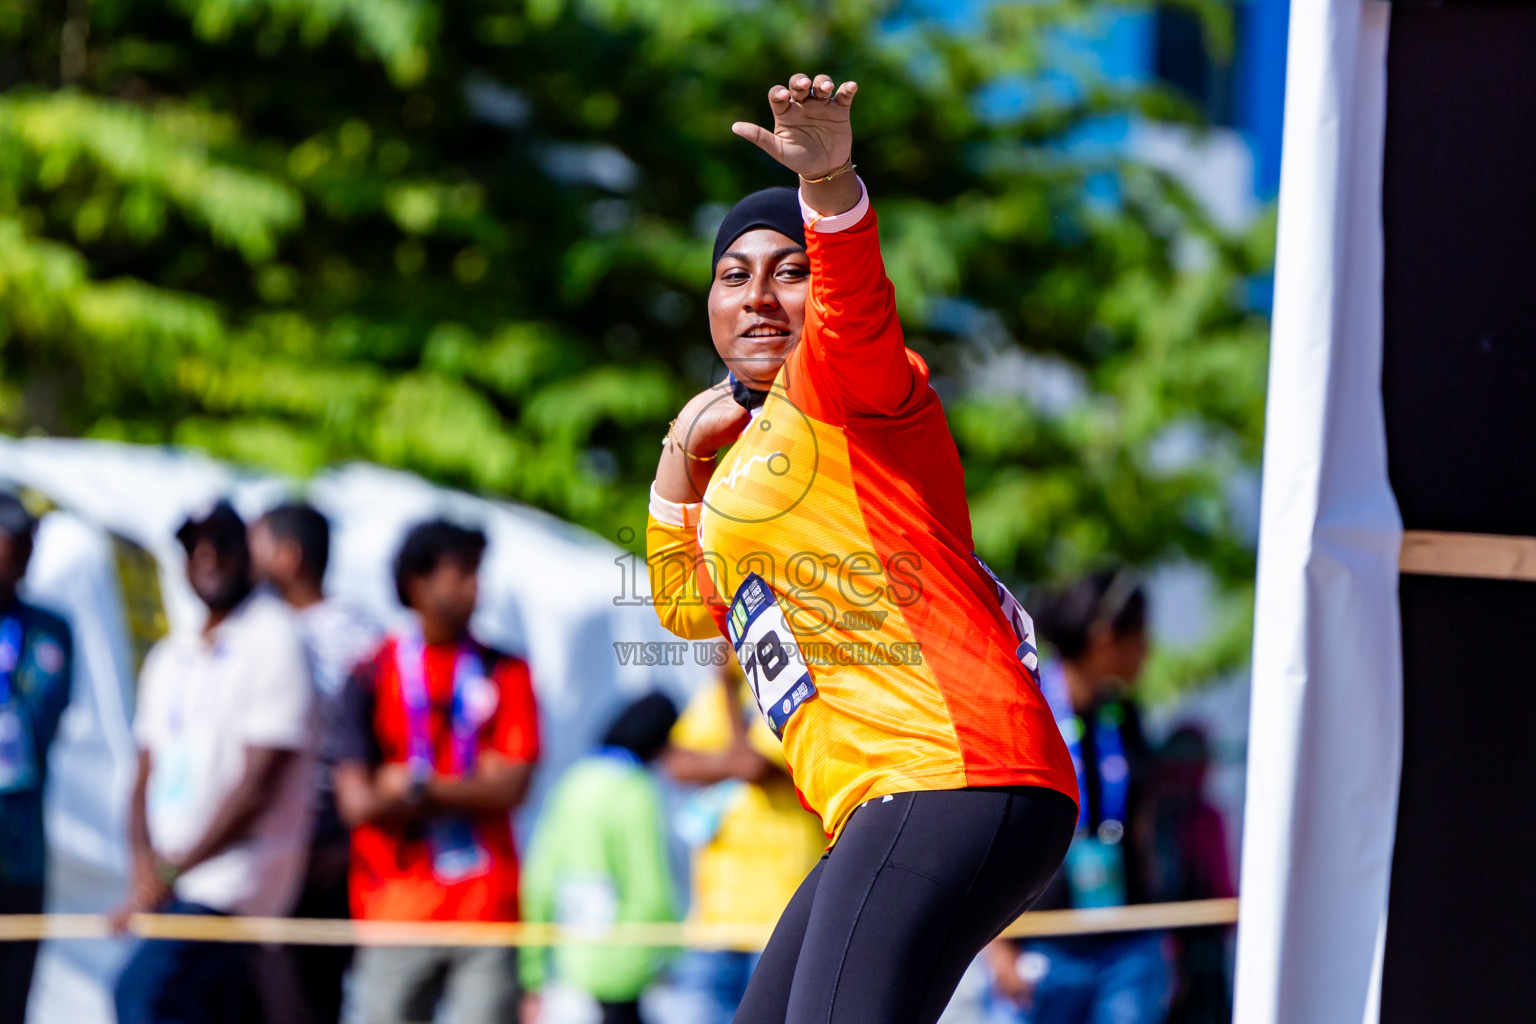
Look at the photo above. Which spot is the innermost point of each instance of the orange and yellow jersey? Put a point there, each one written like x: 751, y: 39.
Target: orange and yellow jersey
x: 845, y: 496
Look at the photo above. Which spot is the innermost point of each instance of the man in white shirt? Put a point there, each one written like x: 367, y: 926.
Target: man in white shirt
x: 290, y: 548
x: 220, y: 814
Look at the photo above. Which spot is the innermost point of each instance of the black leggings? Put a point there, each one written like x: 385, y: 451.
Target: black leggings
x: 883, y: 927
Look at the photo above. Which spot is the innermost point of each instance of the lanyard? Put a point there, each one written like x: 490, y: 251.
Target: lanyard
x: 1113, y: 769
x: 198, y: 681
x: 411, y: 659
x: 199, y: 668
x: 10, y: 654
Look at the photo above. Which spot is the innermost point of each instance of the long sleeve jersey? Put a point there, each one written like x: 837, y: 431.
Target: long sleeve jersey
x: 840, y: 515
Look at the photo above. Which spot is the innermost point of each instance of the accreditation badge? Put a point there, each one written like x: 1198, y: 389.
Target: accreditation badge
x: 18, y: 757
x: 173, y: 780
x: 768, y: 653
x: 457, y: 855
x: 1095, y: 871
x: 703, y: 811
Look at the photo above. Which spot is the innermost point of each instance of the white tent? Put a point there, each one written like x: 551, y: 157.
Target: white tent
x: 559, y: 595
x: 1325, y: 738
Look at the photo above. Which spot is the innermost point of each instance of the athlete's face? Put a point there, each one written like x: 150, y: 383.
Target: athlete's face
x: 757, y: 303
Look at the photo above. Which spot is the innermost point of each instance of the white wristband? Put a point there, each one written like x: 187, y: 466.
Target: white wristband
x: 824, y: 225
x: 675, y: 513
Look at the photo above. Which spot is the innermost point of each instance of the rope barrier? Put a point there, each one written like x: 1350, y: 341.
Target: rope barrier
x: 692, y: 935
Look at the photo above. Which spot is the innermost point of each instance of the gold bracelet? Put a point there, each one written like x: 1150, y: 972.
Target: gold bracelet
x: 684, y: 448
x: 839, y: 172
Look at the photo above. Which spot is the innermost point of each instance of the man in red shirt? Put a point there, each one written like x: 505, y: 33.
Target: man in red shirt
x: 434, y: 745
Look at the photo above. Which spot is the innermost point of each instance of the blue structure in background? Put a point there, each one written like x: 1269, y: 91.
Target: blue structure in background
x: 1263, y: 27
x: 1160, y: 42
x: 1247, y: 95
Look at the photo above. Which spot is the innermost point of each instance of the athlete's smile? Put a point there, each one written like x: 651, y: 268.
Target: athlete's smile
x: 766, y: 330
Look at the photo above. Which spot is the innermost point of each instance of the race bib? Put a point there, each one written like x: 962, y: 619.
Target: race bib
x: 768, y: 653
x: 18, y: 763
x: 1023, y: 626
x: 456, y: 852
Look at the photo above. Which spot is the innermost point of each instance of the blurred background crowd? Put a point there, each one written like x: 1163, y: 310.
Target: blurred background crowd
x: 295, y: 758
x: 469, y: 242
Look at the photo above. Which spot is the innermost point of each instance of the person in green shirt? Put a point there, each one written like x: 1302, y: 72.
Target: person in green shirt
x: 599, y: 857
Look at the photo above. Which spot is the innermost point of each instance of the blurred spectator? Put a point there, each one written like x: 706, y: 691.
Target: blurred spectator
x: 598, y: 858
x: 1098, y: 627
x: 220, y: 815
x: 290, y: 546
x: 35, y: 664
x: 434, y: 745
x: 1191, y: 862
x: 753, y: 841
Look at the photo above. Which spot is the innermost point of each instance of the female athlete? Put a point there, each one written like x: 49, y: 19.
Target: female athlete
x: 832, y: 547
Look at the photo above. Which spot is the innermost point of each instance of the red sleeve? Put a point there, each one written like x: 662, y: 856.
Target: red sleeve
x: 853, y: 338
x: 516, y: 727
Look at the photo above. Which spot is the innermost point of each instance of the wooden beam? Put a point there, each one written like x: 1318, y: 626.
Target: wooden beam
x: 1485, y: 556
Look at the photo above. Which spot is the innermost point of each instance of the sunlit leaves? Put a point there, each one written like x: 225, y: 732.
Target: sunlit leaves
x: 120, y: 336
x: 162, y: 153
x: 472, y: 240
x: 397, y: 32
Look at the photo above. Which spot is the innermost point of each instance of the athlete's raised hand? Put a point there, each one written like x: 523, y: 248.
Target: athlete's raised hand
x: 811, y: 133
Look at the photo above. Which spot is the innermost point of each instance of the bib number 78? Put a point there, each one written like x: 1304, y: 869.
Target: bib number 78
x: 766, y: 656
x: 765, y: 648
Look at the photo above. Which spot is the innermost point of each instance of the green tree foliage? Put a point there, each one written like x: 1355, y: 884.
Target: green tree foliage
x: 471, y: 239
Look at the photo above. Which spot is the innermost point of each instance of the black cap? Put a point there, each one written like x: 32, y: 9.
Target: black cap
x: 218, y: 521
x: 777, y: 208
x: 15, y: 520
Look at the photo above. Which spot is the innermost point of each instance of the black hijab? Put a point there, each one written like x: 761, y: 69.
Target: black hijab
x: 777, y: 208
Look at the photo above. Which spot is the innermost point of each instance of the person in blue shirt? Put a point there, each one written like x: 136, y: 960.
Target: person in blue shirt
x: 35, y: 663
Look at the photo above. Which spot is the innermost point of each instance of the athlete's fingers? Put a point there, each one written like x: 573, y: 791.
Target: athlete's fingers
x: 821, y: 88
x: 800, y: 86
x: 759, y: 136
x: 844, y: 94
x: 779, y: 99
